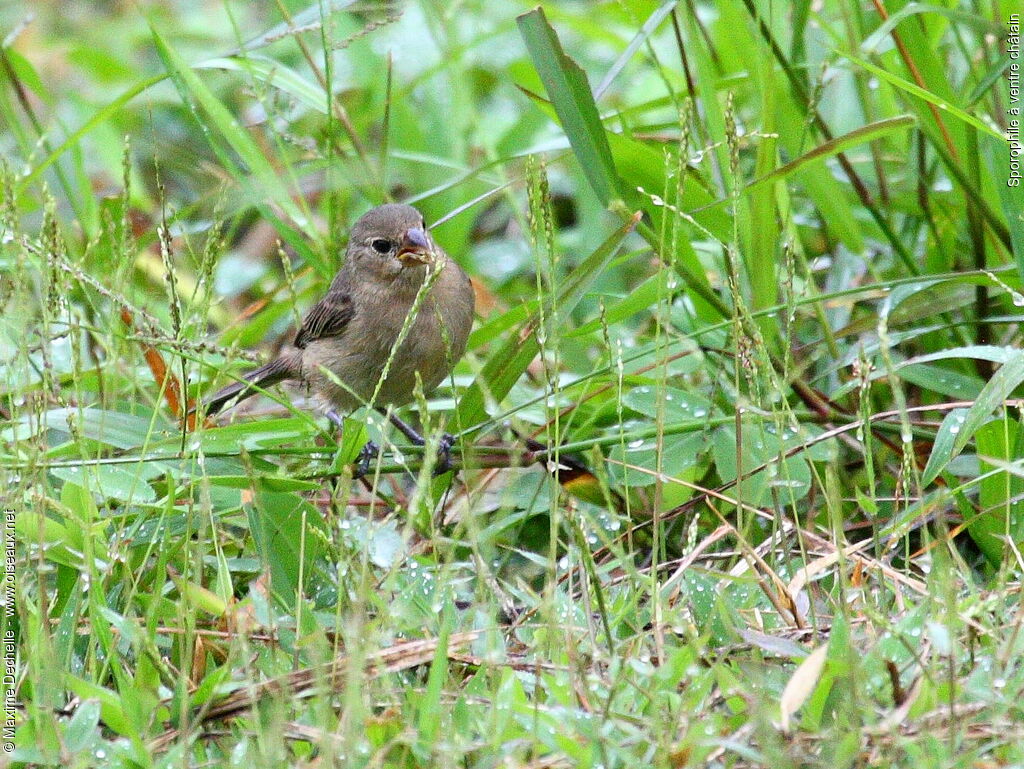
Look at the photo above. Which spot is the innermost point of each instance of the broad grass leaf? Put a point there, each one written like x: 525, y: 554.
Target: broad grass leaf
x: 944, y: 381
x: 113, y: 428
x: 761, y: 448
x: 801, y: 685
x: 620, y: 308
x: 195, y: 93
x: 943, y: 445
x: 81, y: 729
x: 258, y: 433
x: 274, y: 75
x: 64, y: 540
x: 109, y: 482
x: 669, y: 404
x: 645, y: 167
x: 111, y: 706
x: 987, y: 352
x: 1001, y: 494
x: 881, y: 33
x: 943, y: 104
x: 775, y: 645
x: 827, y: 194
x: 714, y: 610
x: 508, y: 362
x: 863, y: 135
x: 570, y: 94
x: 957, y: 432
x: 289, y: 535
x: 678, y: 454
x: 277, y: 483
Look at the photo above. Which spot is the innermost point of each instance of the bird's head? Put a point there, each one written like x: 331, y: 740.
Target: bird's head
x: 390, y: 240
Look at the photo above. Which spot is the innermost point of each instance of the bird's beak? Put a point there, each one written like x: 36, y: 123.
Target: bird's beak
x: 415, y: 248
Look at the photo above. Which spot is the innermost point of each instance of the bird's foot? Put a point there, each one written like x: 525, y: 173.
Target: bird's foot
x: 371, y: 451
x: 367, y: 455
x: 444, y: 454
x: 444, y: 447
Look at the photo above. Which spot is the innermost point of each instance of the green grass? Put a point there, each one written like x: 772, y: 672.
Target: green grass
x: 740, y: 478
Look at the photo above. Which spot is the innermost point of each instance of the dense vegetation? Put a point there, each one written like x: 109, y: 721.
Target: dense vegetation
x: 738, y: 462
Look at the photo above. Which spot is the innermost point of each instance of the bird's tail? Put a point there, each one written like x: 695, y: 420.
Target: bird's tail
x: 265, y: 376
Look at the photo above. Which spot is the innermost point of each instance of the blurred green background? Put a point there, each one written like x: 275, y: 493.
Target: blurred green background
x: 738, y: 429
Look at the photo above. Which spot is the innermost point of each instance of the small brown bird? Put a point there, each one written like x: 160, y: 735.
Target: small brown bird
x: 352, y: 331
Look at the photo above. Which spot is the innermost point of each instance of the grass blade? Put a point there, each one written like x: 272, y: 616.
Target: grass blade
x: 570, y: 94
x: 509, y: 362
x: 194, y: 92
x: 961, y: 429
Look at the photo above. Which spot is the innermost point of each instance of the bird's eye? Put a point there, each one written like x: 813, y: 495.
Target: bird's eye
x: 380, y: 245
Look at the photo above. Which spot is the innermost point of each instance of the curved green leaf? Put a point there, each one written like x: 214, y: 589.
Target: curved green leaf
x: 958, y: 429
x: 573, y: 101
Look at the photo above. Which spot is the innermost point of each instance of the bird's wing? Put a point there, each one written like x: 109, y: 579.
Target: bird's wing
x: 329, y: 317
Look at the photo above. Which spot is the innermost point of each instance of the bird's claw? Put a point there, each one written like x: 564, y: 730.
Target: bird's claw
x: 371, y: 451
x: 367, y: 455
x: 444, y: 454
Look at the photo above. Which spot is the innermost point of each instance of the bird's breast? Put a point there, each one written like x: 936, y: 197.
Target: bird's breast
x: 434, y: 340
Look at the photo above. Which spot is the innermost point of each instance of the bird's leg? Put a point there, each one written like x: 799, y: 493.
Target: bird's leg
x: 444, y: 448
x: 405, y: 428
x: 444, y: 454
x: 367, y: 454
